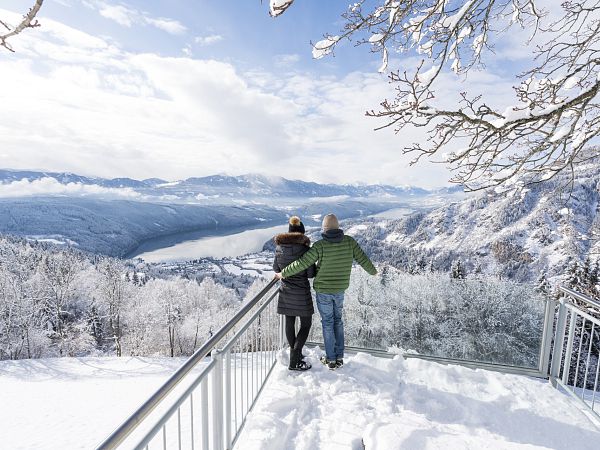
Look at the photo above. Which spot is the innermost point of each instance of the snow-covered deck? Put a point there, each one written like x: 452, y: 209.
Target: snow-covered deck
x: 412, y: 404
x: 73, y: 403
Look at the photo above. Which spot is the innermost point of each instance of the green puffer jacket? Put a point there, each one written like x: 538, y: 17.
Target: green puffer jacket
x: 334, y: 255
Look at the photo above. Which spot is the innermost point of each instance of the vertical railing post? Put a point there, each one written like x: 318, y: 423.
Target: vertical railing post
x: 559, y: 341
x: 569, y: 349
x: 227, y: 399
x: 204, y: 432
x: 217, y: 401
x: 549, y: 313
x: 281, y: 331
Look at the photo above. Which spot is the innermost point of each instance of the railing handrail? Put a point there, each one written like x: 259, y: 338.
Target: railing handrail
x: 129, y: 425
x: 563, y: 357
x: 579, y: 296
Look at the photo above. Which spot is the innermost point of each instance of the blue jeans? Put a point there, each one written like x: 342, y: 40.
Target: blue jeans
x: 330, y: 307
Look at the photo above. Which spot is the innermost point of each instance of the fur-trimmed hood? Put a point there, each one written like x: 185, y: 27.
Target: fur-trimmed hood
x: 292, y: 238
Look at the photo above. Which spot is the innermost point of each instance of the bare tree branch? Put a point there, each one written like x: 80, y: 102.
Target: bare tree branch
x: 556, y: 113
x: 28, y: 21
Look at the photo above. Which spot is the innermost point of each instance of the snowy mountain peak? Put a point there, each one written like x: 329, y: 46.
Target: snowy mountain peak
x: 221, y: 185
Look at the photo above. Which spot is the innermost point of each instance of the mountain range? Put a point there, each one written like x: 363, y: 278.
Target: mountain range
x: 116, y: 216
x: 225, y: 186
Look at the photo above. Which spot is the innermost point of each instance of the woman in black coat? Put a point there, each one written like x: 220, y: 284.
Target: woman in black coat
x: 295, y: 299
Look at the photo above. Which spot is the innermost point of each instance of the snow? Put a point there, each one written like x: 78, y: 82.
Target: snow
x: 450, y: 22
x: 478, y: 44
x: 54, y: 239
x: 572, y: 81
x: 392, y: 404
x: 278, y: 7
x: 73, y: 403
x: 324, y: 47
x: 427, y: 76
x: 561, y: 133
x: 384, y: 61
x: 375, y: 38
x: 511, y: 114
x: 357, y: 229
x: 237, y: 270
x: 169, y: 184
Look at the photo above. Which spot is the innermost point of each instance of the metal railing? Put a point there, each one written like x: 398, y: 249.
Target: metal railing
x: 576, y: 353
x: 204, y: 404
x: 510, y: 340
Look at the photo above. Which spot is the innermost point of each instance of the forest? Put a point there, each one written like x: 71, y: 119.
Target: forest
x: 58, y: 301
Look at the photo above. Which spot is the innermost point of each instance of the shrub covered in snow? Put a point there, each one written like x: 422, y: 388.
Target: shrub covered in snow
x: 481, y: 319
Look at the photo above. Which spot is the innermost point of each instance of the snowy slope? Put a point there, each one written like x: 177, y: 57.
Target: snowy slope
x: 516, y: 234
x: 413, y: 404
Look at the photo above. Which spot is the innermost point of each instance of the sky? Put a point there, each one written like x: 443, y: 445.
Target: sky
x: 194, y: 87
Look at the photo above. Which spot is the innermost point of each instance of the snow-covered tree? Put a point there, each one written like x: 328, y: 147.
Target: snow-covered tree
x: 556, y: 111
x: 59, y: 302
x: 457, y: 270
x: 480, y: 319
x: 114, y: 291
x: 542, y: 285
x: 59, y: 271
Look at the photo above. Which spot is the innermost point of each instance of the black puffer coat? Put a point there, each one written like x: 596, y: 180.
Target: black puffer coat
x: 295, y: 298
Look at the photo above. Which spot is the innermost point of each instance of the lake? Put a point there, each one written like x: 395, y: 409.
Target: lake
x: 196, y: 245
x: 231, y: 245
x: 394, y: 213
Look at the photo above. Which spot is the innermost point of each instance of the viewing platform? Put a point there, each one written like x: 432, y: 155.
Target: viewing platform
x: 244, y: 397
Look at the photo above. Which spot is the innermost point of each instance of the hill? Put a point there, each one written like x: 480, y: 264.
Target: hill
x: 516, y: 234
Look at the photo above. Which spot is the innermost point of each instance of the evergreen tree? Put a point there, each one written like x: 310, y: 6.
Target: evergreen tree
x: 573, y: 275
x: 457, y: 271
x: 542, y: 285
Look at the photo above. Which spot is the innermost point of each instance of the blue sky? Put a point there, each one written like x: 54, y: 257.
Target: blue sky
x: 193, y: 87
x: 249, y: 36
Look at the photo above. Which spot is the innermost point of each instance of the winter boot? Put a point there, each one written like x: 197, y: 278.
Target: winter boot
x: 300, y: 364
x: 331, y: 365
x: 339, y: 363
x: 293, y: 359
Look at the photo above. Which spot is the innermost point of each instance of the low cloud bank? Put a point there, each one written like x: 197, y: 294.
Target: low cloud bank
x: 51, y: 186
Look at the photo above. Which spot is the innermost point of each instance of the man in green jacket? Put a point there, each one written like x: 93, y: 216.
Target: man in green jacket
x: 333, y: 255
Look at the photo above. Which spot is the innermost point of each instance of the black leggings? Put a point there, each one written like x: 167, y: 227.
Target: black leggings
x: 297, y: 342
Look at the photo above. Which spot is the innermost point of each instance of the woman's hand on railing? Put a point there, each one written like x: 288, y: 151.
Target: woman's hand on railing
x: 277, y: 276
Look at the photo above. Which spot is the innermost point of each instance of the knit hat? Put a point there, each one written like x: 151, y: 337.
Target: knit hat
x: 296, y: 225
x: 330, y: 222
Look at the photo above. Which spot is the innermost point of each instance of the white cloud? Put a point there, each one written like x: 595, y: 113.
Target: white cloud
x: 208, y: 40
x: 127, y: 16
x: 100, y: 110
x: 286, y: 60
x: 50, y: 186
x: 168, y: 25
x: 119, y: 13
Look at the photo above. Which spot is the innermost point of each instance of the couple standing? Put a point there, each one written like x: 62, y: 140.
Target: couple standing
x: 329, y: 261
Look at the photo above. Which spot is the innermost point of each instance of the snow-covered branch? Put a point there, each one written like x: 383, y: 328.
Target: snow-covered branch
x: 278, y: 7
x: 555, y: 115
x: 29, y: 21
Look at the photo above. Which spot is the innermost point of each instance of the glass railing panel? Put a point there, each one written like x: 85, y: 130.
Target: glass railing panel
x: 476, y: 319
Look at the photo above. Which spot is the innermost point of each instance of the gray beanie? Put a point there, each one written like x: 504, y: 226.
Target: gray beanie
x: 330, y: 222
